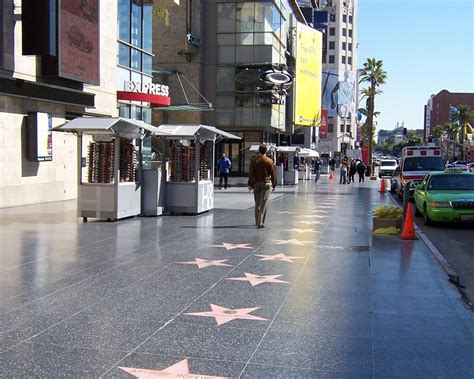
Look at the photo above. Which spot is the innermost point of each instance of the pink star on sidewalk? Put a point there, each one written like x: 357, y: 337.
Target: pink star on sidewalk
x: 255, y: 280
x: 224, y: 315
x: 278, y: 257
x: 178, y: 370
x: 233, y: 246
x: 201, y: 263
x: 290, y: 242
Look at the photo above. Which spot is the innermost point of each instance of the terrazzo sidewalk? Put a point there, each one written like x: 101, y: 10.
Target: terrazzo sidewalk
x: 313, y: 294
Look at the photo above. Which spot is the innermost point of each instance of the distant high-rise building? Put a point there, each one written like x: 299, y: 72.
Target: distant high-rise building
x: 338, y: 20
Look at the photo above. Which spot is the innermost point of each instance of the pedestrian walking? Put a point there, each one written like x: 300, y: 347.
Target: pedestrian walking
x: 343, y: 173
x: 332, y: 167
x: 352, y: 170
x: 262, y: 179
x: 361, y: 171
x: 317, y: 169
x: 223, y: 166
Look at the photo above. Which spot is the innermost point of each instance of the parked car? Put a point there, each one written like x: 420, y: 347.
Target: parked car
x: 446, y: 196
x: 387, y: 167
x: 460, y: 165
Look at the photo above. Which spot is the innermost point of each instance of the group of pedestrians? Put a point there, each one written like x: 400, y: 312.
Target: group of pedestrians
x: 349, y: 168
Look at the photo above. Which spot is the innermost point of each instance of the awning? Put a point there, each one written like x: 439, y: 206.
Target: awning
x: 118, y: 126
x: 269, y: 147
x: 304, y: 152
x: 194, y: 131
x: 288, y: 149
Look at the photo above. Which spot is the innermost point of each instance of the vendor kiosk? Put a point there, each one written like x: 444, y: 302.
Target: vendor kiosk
x: 189, y: 173
x: 306, y: 167
x: 288, y: 157
x: 110, y: 185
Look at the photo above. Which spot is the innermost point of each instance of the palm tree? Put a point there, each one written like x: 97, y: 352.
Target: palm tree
x: 463, y: 116
x: 373, y: 74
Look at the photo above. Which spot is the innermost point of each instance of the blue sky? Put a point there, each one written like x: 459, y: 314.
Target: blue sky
x: 426, y: 46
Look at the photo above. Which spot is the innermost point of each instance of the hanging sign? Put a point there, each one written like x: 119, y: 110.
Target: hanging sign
x: 154, y: 93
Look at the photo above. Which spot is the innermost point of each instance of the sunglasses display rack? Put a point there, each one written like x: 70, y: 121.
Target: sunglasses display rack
x: 100, y: 162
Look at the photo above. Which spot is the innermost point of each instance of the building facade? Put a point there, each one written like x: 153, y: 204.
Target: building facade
x: 338, y: 20
x: 51, y: 73
x: 438, y: 108
x: 241, y: 42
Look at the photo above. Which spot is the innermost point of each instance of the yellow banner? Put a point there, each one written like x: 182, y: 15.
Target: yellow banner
x: 307, y: 76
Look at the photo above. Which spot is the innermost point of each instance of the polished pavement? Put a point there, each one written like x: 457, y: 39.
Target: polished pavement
x: 313, y: 294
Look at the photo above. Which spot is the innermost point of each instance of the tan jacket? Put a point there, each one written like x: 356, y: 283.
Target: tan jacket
x: 261, y: 169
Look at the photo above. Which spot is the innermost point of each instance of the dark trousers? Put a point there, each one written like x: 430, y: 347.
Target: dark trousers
x: 361, y: 177
x: 318, y: 174
x: 261, y: 194
x: 223, y: 176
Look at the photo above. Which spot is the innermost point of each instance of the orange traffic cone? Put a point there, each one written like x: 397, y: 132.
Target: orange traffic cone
x: 382, y: 185
x: 408, y: 232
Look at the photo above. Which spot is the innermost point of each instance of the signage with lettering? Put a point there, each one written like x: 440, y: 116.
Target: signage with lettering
x: 155, y: 94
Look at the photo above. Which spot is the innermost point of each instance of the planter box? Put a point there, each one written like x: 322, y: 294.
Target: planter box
x: 383, y: 222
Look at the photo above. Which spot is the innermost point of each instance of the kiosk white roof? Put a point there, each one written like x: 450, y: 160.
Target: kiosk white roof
x: 308, y: 153
x: 269, y: 147
x: 194, y: 131
x: 119, y: 126
x: 288, y: 149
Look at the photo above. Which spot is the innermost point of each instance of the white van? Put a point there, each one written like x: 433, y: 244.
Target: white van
x: 387, y: 167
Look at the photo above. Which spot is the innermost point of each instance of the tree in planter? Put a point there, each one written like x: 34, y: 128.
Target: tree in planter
x: 373, y: 74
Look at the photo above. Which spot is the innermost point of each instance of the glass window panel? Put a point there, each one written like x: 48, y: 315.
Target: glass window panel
x: 263, y: 38
x: 276, y: 20
x: 244, y: 54
x: 122, y: 76
x: 263, y: 17
x: 262, y: 53
x: 331, y: 59
x: 349, y: 60
x: 146, y: 115
x: 350, y: 32
x: 245, y: 16
x: 344, y: 32
x: 148, y: 27
x: 124, y: 20
x: 343, y: 46
x: 343, y: 59
x: 245, y: 39
x: 225, y: 79
x: 225, y: 101
x: 226, y: 39
x: 136, y: 39
x: 332, y: 45
x: 124, y: 55
x: 136, y: 60
x: 135, y: 112
x: 226, y: 18
x: 124, y: 110
x: 147, y: 64
x: 226, y: 54
x: 332, y: 31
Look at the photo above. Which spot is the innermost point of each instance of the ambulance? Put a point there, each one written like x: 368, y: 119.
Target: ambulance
x: 415, y: 163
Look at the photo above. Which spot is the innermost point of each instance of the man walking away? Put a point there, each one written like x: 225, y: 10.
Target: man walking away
x: 361, y: 171
x: 317, y: 169
x: 224, y: 168
x: 332, y: 167
x: 352, y: 171
x: 262, y: 178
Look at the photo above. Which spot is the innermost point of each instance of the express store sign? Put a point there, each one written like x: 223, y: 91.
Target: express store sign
x: 155, y: 94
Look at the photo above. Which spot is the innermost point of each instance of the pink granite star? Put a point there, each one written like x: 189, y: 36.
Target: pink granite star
x: 255, y: 280
x: 290, y: 242
x: 224, y: 315
x: 278, y: 257
x: 233, y: 246
x: 201, y: 263
x: 178, y: 370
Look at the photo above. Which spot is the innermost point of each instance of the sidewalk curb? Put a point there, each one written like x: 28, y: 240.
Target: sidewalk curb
x: 452, y: 274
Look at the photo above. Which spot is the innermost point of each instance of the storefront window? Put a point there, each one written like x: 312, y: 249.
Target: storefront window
x: 147, y: 64
x: 245, y: 17
x: 124, y: 55
x: 124, y: 20
x: 136, y: 39
x: 263, y: 17
x: 136, y: 60
x: 147, y: 27
x: 226, y: 17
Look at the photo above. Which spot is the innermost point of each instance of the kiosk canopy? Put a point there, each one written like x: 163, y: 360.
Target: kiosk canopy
x: 119, y: 126
x: 204, y: 132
